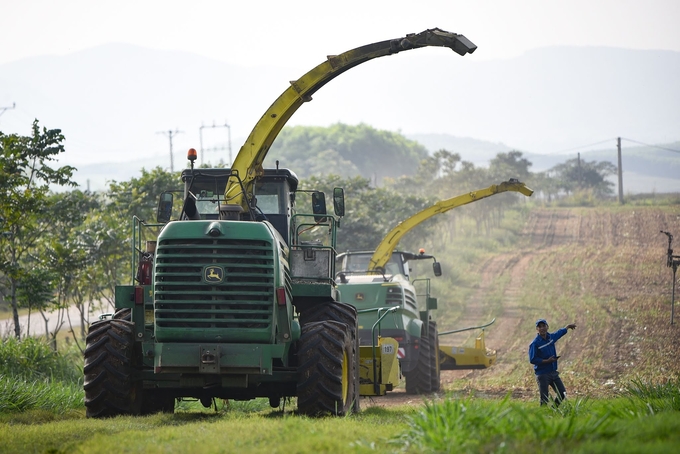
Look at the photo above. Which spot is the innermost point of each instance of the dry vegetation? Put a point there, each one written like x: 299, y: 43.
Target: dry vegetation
x: 603, y: 269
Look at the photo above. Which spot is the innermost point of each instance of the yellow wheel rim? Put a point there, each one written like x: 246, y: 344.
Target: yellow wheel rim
x: 345, y: 377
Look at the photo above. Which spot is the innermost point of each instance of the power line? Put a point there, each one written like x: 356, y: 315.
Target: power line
x: 170, y: 134
x: 3, y: 109
x: 586, y: 146
x: 622, y: 138
x: 653, y: 146
x: 200, y: 132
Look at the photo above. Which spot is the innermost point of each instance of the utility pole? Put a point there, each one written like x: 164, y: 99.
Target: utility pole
x: 3, y: 109
x: 618, y: 146
x: 225, y: 125
x: 170, y: 134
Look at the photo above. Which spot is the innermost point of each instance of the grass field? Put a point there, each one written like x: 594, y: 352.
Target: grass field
x: 601, y: 268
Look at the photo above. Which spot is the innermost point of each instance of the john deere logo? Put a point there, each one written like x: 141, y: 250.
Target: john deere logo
x: 213, y: 274
x: 359, y: 296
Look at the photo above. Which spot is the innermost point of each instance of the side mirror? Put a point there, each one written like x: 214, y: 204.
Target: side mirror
x: 164, y: 207
x: 319, y: 205
x: 339, y: 201
x: 437, y: 268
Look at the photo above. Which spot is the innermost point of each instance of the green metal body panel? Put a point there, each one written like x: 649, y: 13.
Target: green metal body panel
x: 215, y: 281
x: 380, y: 294
x: 212, y: 310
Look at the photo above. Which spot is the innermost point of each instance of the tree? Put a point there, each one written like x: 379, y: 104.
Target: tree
x: 369, y: 212
x: 25, y: 179
x: 139, y: 196
x: 576, y: 175
x: 109, y: 246
x: 66, y: 254
x: 346, y: 151
x: 502, y: 168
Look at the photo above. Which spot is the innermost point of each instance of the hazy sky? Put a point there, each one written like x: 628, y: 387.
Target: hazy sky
x: 297, y: 36
x: 300, y: 34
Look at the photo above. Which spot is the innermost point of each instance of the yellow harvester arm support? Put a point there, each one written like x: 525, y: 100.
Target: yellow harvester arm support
x: 248, y: 162
x: 384, y: 251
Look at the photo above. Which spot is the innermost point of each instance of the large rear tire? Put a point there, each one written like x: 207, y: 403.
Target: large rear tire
x: 342, y: 313
x: 123, y: 314
x: 435, y: 368
x: 325, y: 377
x: 419, y: 379
x: 110, y: 387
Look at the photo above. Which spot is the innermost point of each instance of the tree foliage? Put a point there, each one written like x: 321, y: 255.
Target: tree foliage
x: 25, y: 177
x: 369, y: 212
x: 575, y: 174
x: 73, y: 247
x: 346, y: 151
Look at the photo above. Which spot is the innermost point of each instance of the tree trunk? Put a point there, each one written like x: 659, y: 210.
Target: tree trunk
x: 47, y: 325
x: 15, y: 307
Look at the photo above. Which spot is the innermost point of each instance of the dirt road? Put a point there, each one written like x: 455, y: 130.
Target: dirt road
x: 36, y: 324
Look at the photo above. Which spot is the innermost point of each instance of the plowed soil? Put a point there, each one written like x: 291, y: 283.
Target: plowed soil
x: 602, y: 269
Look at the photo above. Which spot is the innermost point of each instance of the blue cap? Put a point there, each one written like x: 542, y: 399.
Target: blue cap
x: 541, y: 320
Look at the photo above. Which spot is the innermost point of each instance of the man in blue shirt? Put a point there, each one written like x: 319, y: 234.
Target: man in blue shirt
x: 543, y: 355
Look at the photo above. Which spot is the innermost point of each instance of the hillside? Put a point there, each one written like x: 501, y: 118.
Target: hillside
x: 116, y: 102
x: 603, y: 269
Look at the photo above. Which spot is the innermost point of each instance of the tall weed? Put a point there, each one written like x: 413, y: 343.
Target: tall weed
x: 480, y: 425
x: 33, y: 376
x: 655, y: 397
x: 33, y: 359
x: 17, y: 395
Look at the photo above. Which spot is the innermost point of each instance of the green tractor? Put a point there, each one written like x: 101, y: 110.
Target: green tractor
x: 389, y: 289
x: 236, y: 298
x: 375, y: 282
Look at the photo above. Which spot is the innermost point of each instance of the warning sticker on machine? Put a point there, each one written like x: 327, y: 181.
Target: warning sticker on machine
x: 388, y: 349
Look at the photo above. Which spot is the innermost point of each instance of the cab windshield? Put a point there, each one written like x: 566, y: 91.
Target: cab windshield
x: 359, y: 263
x: 269, y: 197
x: 209, y: 194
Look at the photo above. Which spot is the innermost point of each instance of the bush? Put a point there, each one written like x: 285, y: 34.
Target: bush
x: 33, y: 376
x: 33, y: 359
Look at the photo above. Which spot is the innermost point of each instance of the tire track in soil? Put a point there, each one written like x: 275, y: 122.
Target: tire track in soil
x: 546, y: 229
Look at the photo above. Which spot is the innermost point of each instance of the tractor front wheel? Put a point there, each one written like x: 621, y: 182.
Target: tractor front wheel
x: 343, y: 313
x: 419, y: 379
x: 435, y: 369
x: 325, y: 370
x: 110, y: 386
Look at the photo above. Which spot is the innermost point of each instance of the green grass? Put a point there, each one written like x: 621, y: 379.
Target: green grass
x: 18, y: 394
x: 32, y: 358
x: 42, y: 408
x: 210, y: 432
x: 33, y: 377
x: 644, y: 419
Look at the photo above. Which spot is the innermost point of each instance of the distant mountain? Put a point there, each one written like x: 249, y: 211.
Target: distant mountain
x: 479, y: 152
x: 116, y: 103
